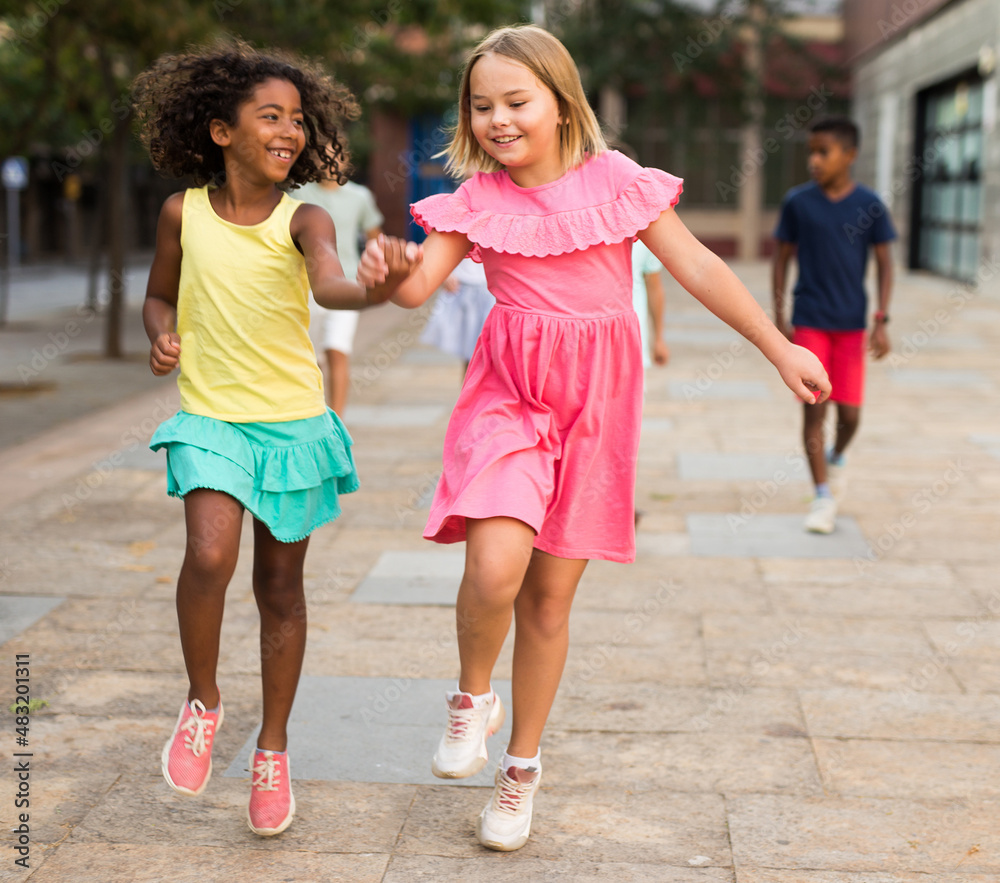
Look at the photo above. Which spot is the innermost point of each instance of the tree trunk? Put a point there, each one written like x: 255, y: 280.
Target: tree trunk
x: 751, y: 195
x: 99, y: 231
x: 117, y: 158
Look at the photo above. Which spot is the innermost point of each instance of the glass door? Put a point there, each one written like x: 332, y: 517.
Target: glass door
x: 947, y: 201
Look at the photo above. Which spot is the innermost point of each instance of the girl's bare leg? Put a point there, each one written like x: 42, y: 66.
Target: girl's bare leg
x: 277, y: 586
x: 541, y: 642
x: 497, y: 554
x: 214, y: 522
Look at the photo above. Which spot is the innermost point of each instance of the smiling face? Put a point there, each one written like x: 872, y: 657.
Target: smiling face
x: 515, y: 118
x: 268, y: 136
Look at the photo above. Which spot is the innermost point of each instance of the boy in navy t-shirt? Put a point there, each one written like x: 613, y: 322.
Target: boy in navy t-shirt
x: 830, y: 225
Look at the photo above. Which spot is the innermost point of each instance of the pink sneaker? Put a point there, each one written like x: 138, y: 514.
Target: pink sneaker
x: 187, y: 757
x: 272, y: 804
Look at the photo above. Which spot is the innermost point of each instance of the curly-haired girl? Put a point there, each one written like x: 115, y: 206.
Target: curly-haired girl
x: 227, y: 302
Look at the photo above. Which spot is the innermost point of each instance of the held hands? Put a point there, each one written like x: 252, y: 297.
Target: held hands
x: 803, y: 374
x: 385, y: 263
x: 165, y: 353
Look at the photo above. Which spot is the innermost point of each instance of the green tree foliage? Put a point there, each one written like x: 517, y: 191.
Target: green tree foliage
x: 66, y: 69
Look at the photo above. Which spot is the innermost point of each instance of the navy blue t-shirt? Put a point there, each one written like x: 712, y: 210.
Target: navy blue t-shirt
x: 833, y: 240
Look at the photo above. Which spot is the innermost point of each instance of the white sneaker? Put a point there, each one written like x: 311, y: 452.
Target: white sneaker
x: 822, y: 517
x: 505, y: 824
x: 462, y: 749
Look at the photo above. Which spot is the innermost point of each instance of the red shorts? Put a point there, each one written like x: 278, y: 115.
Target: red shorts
x: 843, y: 354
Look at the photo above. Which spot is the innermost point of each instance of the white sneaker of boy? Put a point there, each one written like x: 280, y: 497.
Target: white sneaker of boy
x: 822, y: 517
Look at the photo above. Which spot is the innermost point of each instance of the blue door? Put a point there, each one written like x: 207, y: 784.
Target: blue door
x: 428, y: 137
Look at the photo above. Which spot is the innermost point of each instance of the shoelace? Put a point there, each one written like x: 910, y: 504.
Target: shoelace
x: 267, y: 771
x: 510, y: 794
x: 460, y: 721
x: 198, y: 729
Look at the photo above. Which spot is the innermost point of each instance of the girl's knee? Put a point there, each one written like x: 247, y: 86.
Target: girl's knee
x: 488, y: 590
x: 548, y: 622
x: 209, y: 561
x: 280, y: 593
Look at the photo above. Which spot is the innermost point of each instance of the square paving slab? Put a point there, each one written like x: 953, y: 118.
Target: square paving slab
x: 22, y: 612
x: 693, y: 337
x: 381, y: 730
x: 772, y: 536
x: 940, y: 377
x: 430, y: 577
x: 141, y: 457
x: 741, y: 390
x: 393, y: 415
x: 737, y: 467
x: 991, y: 443
x: 665, y: 424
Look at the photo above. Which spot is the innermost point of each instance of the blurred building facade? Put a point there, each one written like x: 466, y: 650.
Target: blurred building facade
x: 735, y: 171
x: 926, y: 97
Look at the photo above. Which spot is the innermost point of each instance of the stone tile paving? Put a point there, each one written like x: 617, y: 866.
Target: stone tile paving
x: 750, y: 706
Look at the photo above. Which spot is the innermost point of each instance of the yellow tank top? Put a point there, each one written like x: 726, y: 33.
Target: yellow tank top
x: 243, y: 318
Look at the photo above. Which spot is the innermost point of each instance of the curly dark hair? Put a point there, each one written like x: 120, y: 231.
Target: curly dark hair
x: 177, y: 97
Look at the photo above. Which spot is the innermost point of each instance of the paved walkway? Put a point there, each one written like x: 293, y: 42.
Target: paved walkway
x: 744, y: 704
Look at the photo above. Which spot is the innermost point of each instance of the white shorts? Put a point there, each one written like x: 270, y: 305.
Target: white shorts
x: 332, y: 329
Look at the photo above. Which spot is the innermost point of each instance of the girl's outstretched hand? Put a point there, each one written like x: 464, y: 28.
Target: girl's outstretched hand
x: 804, y: 374
x: 165, y: 353
x: 385, y: 263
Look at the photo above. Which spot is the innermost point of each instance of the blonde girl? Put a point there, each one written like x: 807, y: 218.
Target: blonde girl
x: 540, y: 453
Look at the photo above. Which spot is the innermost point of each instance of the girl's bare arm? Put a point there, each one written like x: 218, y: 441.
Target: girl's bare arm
x: 708, y: 279
x: 313, y: 232
x: 407, y: 274
x: 159, y: 309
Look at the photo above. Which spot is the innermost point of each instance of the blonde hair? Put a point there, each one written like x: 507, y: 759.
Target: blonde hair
x: 580, y: 135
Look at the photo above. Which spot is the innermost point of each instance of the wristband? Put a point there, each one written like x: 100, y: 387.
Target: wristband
x: 881, y: 316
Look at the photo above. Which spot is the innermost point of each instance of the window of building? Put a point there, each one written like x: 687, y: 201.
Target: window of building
x: 947, y: 206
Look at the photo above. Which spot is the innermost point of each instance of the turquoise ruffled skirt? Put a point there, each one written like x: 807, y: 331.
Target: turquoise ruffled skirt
x: 287, y: 475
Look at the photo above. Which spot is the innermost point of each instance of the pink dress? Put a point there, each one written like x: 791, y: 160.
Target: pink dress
x: 546, y: 428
